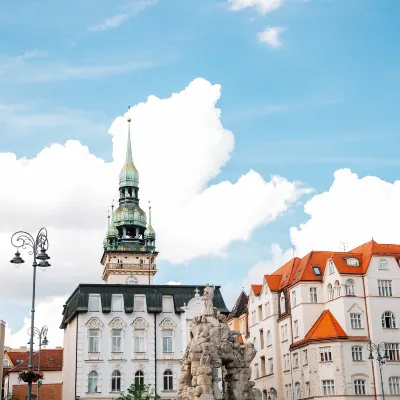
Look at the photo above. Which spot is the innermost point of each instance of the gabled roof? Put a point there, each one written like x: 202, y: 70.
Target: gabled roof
x: 273, y: 282
x: 256, y: 289
x: 372, y: 248
x: 50, y: 360
x: 326, y: 327
x: 305, y: 271
x: 240, y: 306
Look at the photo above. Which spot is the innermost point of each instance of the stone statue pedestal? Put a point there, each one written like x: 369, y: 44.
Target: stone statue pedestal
x: 214, y: 353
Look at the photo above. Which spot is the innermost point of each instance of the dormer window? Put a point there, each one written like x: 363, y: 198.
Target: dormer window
x: 352, y: 262
x: 316, y: 270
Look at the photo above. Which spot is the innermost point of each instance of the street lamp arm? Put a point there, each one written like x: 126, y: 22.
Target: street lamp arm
x: 24, y: 239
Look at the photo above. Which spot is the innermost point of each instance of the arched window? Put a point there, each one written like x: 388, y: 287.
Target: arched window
x: 297, y: 390
x: 168, y: 380
x: 139, y: 378
x: 93, y: 379
x: 394, y: 384
x: 116, y: 381
x: 360, y: 386
x: 330, y: 292
x: 282, y: 301
x: 388, y: 320
x: 336, y: 289
x: 269, y: 338
x: 350, y: 287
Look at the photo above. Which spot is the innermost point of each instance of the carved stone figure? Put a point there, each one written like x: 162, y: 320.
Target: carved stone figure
x: 208, y: 297
x: 215, y: 365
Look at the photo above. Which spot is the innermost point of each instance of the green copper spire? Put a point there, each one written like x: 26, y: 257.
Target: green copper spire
x: 129, y: 175
x: 149, y: 233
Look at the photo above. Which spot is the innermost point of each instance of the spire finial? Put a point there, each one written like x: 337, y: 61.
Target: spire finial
x: 149, y: 214
x: 129, y: 158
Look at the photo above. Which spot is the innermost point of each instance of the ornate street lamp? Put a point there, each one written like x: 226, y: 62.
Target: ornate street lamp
x: 39, y: 247
x: 381, y: 354
x: 41, y: 334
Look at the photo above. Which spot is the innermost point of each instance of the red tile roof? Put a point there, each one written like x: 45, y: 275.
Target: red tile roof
x: 14, y: 356
x: 326, y: 327
x: 256, y: 289
x: 50, y: 360
x: 273, y: 282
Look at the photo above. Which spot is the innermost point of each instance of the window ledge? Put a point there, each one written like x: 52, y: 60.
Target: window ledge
x: 326, y: 362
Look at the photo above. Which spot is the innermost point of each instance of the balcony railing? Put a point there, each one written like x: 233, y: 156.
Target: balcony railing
x: 139, y: 267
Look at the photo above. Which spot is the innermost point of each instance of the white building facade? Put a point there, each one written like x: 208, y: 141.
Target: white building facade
x: 128, y: 330
x: 313, y: 319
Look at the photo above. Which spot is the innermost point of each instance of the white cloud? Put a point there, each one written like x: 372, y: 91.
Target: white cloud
x: 47, y: 313
x: 118, y: 19
x: 262, y: 6
x: 271, y: 36
x: 179, y: 145
x: 353, y: 210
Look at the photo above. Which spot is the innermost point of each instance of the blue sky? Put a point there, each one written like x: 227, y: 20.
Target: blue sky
x: 325, y: 99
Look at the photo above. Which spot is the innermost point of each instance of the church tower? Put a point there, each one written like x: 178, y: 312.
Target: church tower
x: 130, y: 244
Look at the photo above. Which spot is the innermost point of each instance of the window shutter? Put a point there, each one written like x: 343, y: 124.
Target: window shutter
x: 99, y: 383
x: 122, y: 382
x: 109, y: 384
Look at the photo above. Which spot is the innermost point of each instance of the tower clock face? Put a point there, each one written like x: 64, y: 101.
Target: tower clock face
x: 131, y: 280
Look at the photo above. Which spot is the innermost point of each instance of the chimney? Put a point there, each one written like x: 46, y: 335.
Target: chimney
x: 2, y: 339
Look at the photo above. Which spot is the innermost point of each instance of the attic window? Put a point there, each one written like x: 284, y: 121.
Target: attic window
x: 18, y: 361
x: 297, y: 274
x: 51, y: 359
x: 352, y: 262
x: 284, y: 279
x: 316, y: 270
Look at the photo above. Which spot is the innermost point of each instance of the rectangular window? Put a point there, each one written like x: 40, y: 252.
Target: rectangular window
x: 294, y: 299
x: 253, y: 317
x: 94, y: 335
x: 325, y: 354
x: 313, y: 295
x: 296, y: 328
x: 355, y: 319
x: 116, y: 302
x: 331, y: 268
x: 393, y: 350
x: 262, y: 338
x: 167, y: 341
x: 270, y: 365
x: 317, y: 271
x: 139, y: 341
x: 385, y: 288
x: 305, y: 357
x: 288, y: 392
x: 295, y: 360
x: 394, y: 384
x: 94, y: 303
x: 260, y: 316
x: 256, y: 371
x: 167, y: 304
x: 328, y: 387
x: 139, y: 303
x: 116, y: 340
x: 266, y: 310
x: 383, y: 264
x: 308, y: 389
x: 263, y: 371
x: 284, y: 332
x: 356, y: 353
x: 360, y: 386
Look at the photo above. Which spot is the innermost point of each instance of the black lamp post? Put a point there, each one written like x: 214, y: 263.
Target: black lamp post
x: 381, y: 354
x: 39, y: 247
x: 41, y: 334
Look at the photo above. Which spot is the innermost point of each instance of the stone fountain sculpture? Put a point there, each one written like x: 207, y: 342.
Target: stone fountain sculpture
x: 213, y: 353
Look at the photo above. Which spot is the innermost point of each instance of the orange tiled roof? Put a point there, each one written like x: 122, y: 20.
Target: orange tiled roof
x: 340, y: 261
x: 326, y: 327
x: 50, y: 360
x: 273, y: 282
x: 14, y: 356
x: 372, y: 248
x: 305, y: 270
x: 256, y: 289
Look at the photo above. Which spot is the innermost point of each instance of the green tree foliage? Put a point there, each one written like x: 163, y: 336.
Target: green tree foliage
x: 139, y: 392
